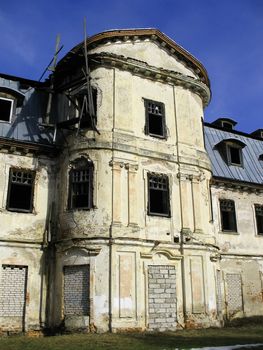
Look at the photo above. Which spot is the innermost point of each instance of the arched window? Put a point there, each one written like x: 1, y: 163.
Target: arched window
x: 81, y: 184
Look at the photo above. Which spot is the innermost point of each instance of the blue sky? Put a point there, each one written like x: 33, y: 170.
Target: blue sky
x: 225, y: 35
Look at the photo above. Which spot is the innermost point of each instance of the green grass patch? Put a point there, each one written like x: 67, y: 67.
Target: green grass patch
x: 184, y: 339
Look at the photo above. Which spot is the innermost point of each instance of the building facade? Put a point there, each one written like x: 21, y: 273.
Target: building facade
x: 120, y: 208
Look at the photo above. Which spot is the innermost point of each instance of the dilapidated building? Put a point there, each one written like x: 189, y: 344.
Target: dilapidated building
x: 120, y: 208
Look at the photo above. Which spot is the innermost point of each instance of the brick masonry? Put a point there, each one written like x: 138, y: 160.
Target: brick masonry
x: 234, y: 293
x: 162, y: 297
x: 76, y: 290
x: 13, y: 291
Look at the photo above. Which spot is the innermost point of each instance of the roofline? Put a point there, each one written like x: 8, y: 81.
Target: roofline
x: 210, y: 125
x: 22, y: 80
x: 95, y: 39
x: 236, y: 182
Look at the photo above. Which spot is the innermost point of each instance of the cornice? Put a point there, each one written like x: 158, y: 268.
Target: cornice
x: 141, y: 34
x: 26, y: 148
x: 230, y: 184
x: 147, y: 71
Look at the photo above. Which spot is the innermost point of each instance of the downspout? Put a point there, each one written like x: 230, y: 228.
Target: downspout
x: 181, y: 214
x: 112, y: 207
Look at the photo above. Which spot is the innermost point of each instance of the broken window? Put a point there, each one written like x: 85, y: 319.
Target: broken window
x: 259, y: 218
x: 155, y: 119
x: 158, y: 195
x: 6, y: 107
x: 228, y: 215
x: 80, y: 185
x: 20, y: 190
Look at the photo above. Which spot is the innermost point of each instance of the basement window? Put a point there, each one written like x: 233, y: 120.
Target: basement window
x: 20, y: 190
x: 81, y: 185
x: 228, y: 215
x: 158, y: 195
x: 6, y: 108
x: 155, y: 119
x: 259, y: 218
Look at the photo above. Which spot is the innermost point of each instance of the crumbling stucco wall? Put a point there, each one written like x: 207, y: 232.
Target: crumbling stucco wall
x: 241, y: 256
x: 22, y: 238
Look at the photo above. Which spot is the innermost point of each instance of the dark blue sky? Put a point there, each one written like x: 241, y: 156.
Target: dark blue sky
x: 225, y: 35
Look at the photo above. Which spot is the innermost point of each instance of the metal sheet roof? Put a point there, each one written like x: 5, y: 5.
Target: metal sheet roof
x: 252, y: 169
x: 25, y: 124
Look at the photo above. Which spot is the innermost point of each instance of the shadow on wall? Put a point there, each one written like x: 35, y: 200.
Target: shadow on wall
x: 26, y: 124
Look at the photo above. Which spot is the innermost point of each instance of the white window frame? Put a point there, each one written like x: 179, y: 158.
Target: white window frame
x: 11, y: 109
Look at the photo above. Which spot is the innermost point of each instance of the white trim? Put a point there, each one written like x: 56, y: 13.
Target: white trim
x: 11, y: 110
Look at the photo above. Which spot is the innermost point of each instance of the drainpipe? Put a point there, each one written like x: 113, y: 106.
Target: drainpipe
x: 181, y: 214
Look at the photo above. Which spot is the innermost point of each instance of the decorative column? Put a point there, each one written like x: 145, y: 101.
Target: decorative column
x: 186, y: 202
x: 132, y: 194
x: 196, y: 194
x: 116, y: 192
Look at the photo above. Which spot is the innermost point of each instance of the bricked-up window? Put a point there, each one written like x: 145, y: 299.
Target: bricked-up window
x: 13, y: 288
x: 81, y: 185
x: 259, y: 218
x: 158, y: 195
x: 228, y: 215
x: 20, y: 190
x: 6, y: 107
x: 155, y: 119
x: 76, y: 290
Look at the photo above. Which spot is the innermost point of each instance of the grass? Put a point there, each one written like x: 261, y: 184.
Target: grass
x: 184, y: 339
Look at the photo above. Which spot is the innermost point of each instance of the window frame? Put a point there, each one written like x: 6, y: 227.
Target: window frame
x: 162, y: 136
x: 11, y: 109
x: 258, y: 224
x: 233, y: 227
x: 166, y: 214
x: 77, y: 167
x: 32, y: 185
x: 229, y: 156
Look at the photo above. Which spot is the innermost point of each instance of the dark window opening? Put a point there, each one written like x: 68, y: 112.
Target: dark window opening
x: 5, y: 109
x: 80, y: 186
x: 20, y: 190
x: 155, y: 119
x: 228, y: 215
x: 235, y: 155
x: 158, y: 195
x: 89, y: 113
x: 227, y: 125
x: 259, y: 218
